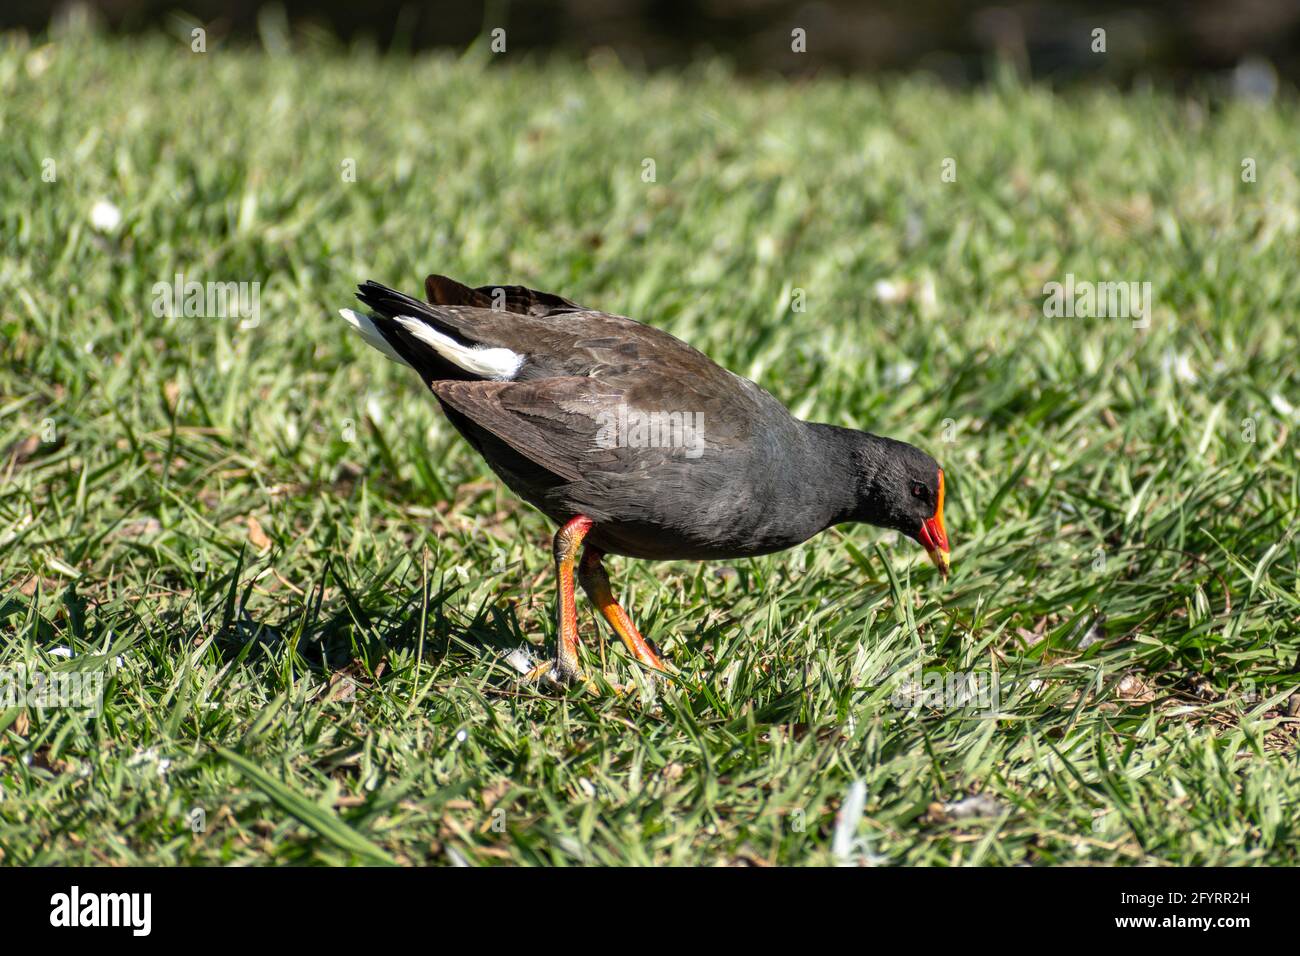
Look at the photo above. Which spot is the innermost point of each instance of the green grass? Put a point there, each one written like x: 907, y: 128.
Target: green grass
x: 328, y: 684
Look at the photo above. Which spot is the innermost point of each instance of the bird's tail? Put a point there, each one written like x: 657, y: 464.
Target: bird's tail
x: 413, y: 333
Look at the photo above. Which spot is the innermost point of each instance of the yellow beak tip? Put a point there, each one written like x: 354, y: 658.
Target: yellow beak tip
x: 940, y: 559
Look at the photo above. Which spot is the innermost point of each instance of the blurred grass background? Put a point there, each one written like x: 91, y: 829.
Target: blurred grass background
x: 310, y: 581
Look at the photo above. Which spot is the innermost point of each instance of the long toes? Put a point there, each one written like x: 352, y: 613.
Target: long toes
x: 548, y: 672
x: 541, y: 672
x: 563, y: 672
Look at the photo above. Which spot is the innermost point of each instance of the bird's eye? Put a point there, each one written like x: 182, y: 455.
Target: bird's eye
x: 918, y: 490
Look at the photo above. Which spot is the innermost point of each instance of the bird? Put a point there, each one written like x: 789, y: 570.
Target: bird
x: 636, y: 444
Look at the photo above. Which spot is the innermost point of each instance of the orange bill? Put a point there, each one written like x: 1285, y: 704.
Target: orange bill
x: 934, y: 537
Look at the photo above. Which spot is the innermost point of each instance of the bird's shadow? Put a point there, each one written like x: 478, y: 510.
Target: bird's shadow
x: 359, y: 627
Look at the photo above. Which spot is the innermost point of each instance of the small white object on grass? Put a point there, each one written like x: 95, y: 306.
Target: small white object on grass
x: 104, y: 216
x: 149, y: 759
x: 847, y: 847
x: 979, y: 805
x: 67, y: 653
x: 521, y: 659
x: 1178, y: 365
x: 900, y: 373
x: 891, y: 292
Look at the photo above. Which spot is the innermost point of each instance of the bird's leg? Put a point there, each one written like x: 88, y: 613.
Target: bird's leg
x: 591, y: 572
x: 566, y: 544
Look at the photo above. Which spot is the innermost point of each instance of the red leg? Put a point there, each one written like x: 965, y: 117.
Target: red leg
x: 566, y: 544
x: 596, y: 583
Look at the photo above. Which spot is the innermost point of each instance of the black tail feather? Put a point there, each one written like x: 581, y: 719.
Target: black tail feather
x: 390, y: 303
x: 384, y: 305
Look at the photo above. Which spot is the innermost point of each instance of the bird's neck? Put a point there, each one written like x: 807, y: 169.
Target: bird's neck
x: 850, y: 460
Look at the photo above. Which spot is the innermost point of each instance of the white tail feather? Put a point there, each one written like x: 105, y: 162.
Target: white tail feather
x: 496, y: 363
x: 372, y: 335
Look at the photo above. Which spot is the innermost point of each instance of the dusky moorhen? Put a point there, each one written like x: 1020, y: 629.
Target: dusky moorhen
x: 637, y: 444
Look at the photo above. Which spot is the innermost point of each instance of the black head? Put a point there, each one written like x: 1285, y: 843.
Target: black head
x: 901, y: 487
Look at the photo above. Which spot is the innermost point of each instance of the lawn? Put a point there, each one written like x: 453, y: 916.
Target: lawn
x: 300, y: 587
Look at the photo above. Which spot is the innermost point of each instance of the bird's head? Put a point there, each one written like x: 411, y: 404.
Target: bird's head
x: 932, y: 534
x: 901, y: 487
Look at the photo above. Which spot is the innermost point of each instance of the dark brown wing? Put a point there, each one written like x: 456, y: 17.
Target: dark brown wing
x: 580, y: 368
x: 553, y: 422
x: 443, y: 290
x: 566, y: 341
